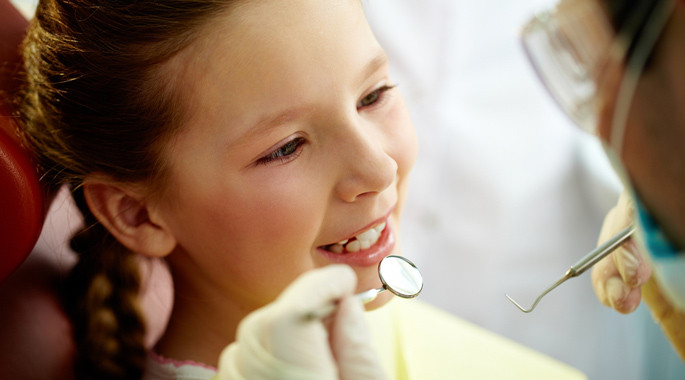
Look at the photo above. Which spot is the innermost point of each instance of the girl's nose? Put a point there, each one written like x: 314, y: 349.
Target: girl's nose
x: 367, y: 169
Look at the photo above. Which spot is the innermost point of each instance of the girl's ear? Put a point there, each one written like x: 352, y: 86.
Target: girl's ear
x: 128, y: 217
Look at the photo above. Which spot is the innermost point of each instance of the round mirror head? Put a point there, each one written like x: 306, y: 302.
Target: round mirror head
x: 400, y: 276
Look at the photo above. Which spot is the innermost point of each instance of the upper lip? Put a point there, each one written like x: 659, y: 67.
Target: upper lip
x: 373, y: 223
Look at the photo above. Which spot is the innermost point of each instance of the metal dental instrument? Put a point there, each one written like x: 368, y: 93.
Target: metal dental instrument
x: 583, y: 264
x: 398, y: 275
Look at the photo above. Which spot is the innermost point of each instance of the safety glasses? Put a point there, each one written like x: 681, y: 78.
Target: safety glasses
x: 574, y: 45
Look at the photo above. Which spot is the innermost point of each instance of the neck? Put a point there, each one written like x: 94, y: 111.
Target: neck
x: 202, y: 323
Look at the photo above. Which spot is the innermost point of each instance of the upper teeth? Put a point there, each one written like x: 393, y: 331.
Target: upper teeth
x: 362, y: 241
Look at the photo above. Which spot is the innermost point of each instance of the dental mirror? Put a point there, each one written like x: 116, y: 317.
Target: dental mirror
x: 398, y: 274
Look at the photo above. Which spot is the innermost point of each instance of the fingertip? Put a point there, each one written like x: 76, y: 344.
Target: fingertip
x: 318, y: 287
x: 342, y: 273
x: 615, y: 290
x: 621, y: 297
x: 344, y: 269
x: 630, y: 302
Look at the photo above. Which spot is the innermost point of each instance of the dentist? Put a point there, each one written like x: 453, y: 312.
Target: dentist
x: 617, y: 68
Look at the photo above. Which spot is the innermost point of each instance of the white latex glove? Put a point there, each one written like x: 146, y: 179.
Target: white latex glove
x: 618, y: 277
x: 276, y: 342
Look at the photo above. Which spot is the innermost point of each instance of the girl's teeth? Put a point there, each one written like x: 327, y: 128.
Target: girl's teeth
x: 369, y: 235
x: 353, y: 246
x: 362, y: 241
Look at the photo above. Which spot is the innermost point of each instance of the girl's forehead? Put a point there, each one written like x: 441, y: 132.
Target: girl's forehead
x: 271, y: 53
x: 273, y: 27
x: 278, y: 20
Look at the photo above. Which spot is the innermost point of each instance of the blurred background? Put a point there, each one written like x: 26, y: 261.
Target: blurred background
x: 507, y: 194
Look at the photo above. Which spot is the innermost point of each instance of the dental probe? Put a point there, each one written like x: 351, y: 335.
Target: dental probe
x: 583, y: 264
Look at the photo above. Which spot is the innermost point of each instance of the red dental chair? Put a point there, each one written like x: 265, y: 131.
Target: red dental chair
x: 35, y: 226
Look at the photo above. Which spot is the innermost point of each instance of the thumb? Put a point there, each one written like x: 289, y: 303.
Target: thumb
x: 318, y: 288
x: 351, y: 343
x: 289, y: 336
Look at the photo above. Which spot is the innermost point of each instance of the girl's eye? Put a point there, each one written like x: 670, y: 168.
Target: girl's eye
x: 285, y: 153
x: 374, y: 97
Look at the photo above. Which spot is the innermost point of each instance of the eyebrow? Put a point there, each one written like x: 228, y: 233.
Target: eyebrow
x: 272, y: 120
x: 378, y: 61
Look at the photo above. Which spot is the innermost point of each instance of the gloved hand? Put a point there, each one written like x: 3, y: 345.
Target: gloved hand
x: 618, y: 277
x: 277, y: 342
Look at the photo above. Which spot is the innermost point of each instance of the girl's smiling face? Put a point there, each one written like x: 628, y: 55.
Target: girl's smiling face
x: 295, y: 140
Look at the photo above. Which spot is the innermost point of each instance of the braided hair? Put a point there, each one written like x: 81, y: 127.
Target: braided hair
x: 96, y: 98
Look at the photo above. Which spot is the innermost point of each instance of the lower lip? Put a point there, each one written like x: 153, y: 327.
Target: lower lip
x: 366, y: 257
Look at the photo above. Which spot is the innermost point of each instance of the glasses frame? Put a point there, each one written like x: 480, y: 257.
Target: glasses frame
x: 642, y: 36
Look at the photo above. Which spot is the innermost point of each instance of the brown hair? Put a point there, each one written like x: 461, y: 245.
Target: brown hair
x: 96, y: 99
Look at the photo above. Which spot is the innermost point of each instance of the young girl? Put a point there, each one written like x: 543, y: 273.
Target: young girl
x: 247, y: 142
x: 250, y: 144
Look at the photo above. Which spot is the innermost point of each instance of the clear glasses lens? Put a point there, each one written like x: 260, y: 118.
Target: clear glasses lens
x: 568, y: 47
